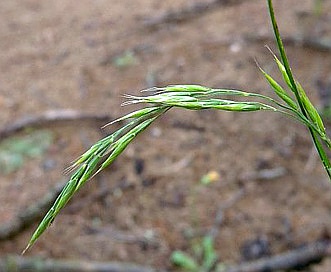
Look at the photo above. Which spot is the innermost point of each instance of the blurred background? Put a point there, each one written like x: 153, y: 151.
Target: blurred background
x: 252, y: 181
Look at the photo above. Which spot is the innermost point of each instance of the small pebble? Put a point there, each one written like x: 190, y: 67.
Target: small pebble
x: 139, y: 165
x: 255, y: 249
x: 48, y: 164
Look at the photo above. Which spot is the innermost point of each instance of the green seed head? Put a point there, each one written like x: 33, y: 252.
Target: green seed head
x: 310, y: 109
x: 280, y: 91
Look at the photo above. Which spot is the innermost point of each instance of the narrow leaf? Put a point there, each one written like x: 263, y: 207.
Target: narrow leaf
x: 184, y: 261
x: 210, y: 256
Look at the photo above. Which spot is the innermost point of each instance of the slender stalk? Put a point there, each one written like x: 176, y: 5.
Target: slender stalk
x: 282, y: 52
x: 324, y: 157
x: 314, y: 135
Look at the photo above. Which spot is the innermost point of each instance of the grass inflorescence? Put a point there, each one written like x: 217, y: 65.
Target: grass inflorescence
x: 292, y: 102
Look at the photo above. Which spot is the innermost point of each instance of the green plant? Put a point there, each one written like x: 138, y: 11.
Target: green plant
x: 16, y: 150
x: 292, y: 102
x: 204, y: 258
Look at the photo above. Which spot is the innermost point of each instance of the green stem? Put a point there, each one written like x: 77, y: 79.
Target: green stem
x: 324, y: 158
x: 283, y: 54
x: 314, y: 135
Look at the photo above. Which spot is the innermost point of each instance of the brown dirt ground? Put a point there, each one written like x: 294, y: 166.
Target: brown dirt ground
x: 59, y: 55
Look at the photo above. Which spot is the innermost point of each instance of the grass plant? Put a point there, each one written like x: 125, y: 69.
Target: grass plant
x: 203, y: 257
x: 203, y: 260
x: 292, y: 101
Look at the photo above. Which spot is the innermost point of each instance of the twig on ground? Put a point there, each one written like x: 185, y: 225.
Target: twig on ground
x: 322, y: 44
x: 35, y: 212
x: 297, y: 258
x: 48, y: 117
x: 30, y: 215
x: 145, y: 240
x: 219, y: 216
x: 220, y: 212
x: 100, y: 195
x: 187, y: 13
x: 264, y: 174
x: 18, y: 264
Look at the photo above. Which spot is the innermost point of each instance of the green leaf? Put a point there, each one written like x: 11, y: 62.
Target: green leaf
x: 210, y: 256
x: 184, y: 261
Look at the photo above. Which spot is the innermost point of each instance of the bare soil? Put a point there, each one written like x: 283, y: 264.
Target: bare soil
x: 62, y: 55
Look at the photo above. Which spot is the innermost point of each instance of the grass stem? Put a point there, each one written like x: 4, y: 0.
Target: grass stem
x: 315, y: 137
